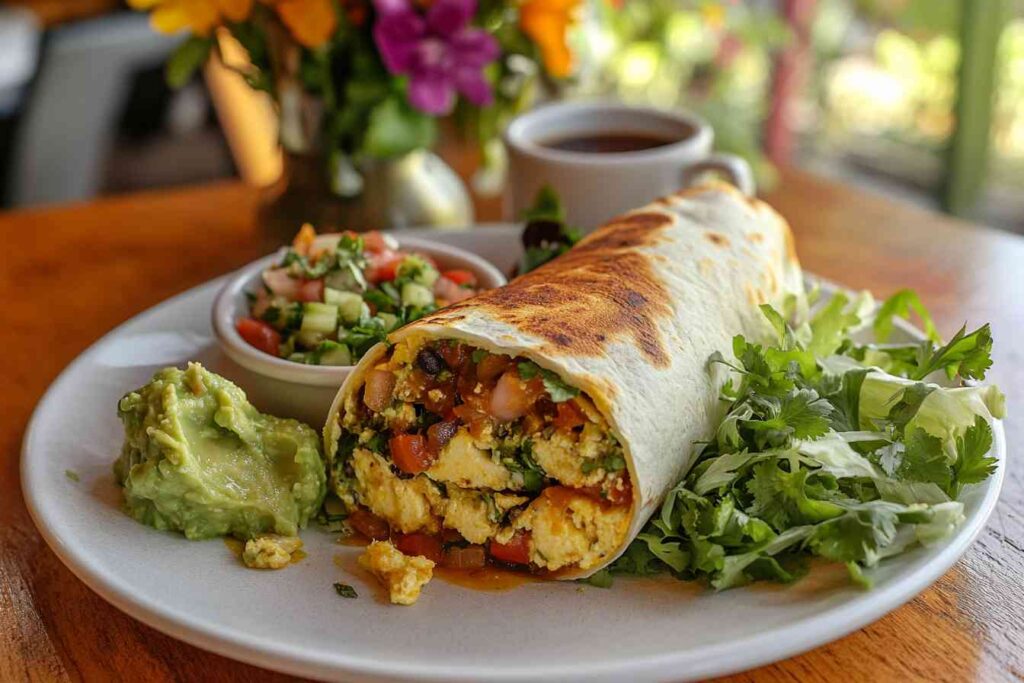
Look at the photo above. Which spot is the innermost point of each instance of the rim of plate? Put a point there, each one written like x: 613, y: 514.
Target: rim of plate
x: 228, y: 305
x: 746, y: 653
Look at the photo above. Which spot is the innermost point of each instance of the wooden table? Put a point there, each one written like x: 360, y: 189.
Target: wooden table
x: 70, y: 274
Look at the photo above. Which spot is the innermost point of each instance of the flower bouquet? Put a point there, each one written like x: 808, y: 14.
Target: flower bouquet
x: 359, y: 86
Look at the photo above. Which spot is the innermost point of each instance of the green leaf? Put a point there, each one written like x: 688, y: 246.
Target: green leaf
x: 600, y: 579
x: 777, y: 321
x: 967, y: 355
x: 924, y: 460
x: 735, y: 568
x: 830, y: 324
x: 547, y: 206
x: 189, y: 56
x: 901, y: 304
x: 781, y: 498
x: 345, y: 590
x: 801, y: 414
x: 669, y: 551
x: 859, y: 534
x: 846, y: 401
x: 527, y: 370
x: 395, y: 129
x: 558, y: 390
x: 972, y: 464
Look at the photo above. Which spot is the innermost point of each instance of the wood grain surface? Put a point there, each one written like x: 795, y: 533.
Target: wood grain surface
x: 70, y: 274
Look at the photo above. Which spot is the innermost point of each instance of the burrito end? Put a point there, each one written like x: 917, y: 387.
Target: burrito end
x: 470, y: 457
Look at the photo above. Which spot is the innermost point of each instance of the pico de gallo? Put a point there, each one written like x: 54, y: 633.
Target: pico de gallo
x: 333, y: 296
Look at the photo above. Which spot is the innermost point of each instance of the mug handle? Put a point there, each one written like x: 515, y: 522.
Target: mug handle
x: 734, y: 168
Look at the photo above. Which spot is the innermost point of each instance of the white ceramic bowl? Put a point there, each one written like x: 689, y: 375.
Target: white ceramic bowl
x: 231, y: 304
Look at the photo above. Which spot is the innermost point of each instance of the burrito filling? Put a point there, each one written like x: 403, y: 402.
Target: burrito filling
x: 467, y: 457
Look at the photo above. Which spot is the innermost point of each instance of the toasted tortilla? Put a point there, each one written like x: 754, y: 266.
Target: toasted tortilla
x: 631, y: 316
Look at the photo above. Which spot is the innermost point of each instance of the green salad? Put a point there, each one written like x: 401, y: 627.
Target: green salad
x: 829, y: 448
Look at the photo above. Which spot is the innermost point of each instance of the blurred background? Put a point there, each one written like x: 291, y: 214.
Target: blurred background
x: 922, y: 100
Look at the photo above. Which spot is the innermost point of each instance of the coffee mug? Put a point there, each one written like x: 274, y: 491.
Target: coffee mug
x: 604, y: 159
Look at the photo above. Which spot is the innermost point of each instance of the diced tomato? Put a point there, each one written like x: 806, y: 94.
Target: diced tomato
x: 516, y: 551
x: 470, y: 557
x: 383, y: 266
x: 420, y: 544
x: 460, y: 277
x: 473, y: 412
x: 454, y: 354
x: 374, y: 242
x: 450, y: 291
x: 310, y: 290
x: 490, y: 366
x: 379, y: 387
x: 260, y: 335
x: 616, y: 491
x: 439, y: 434
x: 441, y: 398
x: 368, y: 524
x: 409, y: 453
x: 568, y: 416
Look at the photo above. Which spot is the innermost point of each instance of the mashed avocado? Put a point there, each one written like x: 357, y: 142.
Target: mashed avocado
x: 200, y: 459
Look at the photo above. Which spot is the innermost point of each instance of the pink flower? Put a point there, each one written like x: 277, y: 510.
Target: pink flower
x: 439, y: 51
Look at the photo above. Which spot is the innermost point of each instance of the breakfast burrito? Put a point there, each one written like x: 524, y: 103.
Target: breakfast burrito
x: 540, y: 424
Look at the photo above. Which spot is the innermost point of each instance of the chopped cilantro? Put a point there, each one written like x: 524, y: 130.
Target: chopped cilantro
x: 478, y: 355
x: 557, y: 390
x: 72, y: 475
x: 345, y: 590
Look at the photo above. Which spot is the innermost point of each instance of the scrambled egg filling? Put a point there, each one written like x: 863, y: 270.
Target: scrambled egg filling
x: 402, y: 575
x: 559, y: 480
x: 269, y: 551
x: 570, y: 529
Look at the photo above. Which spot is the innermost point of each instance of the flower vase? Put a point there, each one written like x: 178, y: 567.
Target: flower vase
x: 415, y: 190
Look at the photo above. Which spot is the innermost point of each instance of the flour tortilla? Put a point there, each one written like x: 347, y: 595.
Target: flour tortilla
x: 631, y: 316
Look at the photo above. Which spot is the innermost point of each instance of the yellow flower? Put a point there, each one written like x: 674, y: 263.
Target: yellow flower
x: 714, y: 16
x: 546, y: 22
x: 312, y: 22
x: 198, y: 16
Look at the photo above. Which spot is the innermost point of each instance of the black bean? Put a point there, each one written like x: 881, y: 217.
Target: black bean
x: 430, y: 362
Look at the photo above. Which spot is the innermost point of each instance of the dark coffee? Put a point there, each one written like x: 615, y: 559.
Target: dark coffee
x: 608, y: 143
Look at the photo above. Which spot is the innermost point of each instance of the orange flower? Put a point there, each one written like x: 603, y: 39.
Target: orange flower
x: 198, y: 16
x: 312, y: 22
x: 546, y: 22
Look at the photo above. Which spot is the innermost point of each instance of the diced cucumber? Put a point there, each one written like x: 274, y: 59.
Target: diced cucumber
x: 350, y: 305
x: 346, y: 280
x: 416, y: 269
x: 308, y: 340
x: 390, y: 321
x: 317, y: 317
x: 416, y: 295
x: 332, y: 353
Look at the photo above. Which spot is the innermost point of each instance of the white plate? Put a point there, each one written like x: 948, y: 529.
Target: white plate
x: 291, y: 620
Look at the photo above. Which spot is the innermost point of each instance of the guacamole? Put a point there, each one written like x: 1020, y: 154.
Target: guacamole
x: 200, y: 459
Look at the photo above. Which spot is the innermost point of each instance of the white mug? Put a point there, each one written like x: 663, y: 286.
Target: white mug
x: 597, y: 186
